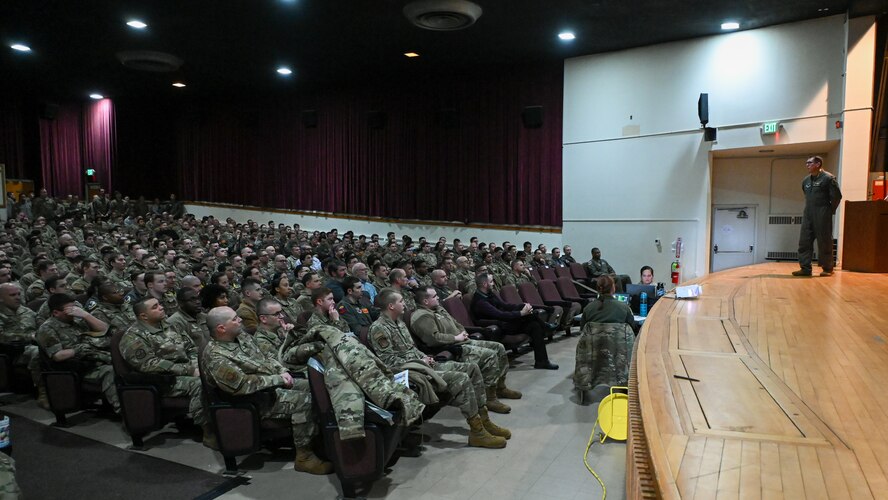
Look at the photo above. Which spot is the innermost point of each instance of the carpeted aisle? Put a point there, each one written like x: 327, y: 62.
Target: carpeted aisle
x: 52, y: 463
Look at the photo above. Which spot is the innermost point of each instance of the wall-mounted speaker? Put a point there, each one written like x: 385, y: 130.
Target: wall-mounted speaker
x: 310, y: 118
x: 48, y: 110
x: 703, y: 109
x: 710, y: 134
x: 532, y: 116
x: 377, y: 119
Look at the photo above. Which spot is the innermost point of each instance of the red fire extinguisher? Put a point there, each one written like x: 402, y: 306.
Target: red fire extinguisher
x: 676, y: 265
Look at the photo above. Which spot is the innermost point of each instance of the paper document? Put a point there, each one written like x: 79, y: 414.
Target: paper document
x: 401, y: 378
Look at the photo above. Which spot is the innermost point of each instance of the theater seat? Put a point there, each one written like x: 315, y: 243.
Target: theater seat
x: 66, y: 392
x: 14, y: 378
x: 356, y: 461
x: 547, y: 273
x: 563, y: 271
x: 579, y: 273
x: 492, y: 331
x: 144, y: 409
x: 236, y: 421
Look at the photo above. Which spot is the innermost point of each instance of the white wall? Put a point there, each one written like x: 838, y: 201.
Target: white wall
x: 622, y: 192
x: 322, y: 223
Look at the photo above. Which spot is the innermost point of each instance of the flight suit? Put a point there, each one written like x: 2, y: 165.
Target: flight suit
x: 822, y: 197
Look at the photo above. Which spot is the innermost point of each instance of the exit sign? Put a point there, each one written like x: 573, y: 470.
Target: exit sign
x: 770, y: 128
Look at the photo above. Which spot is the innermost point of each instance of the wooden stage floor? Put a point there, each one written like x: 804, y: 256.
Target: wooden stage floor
x: 792, y: 397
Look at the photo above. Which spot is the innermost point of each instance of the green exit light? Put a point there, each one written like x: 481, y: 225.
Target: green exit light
x: 90, y: 171
x: 770, y: 128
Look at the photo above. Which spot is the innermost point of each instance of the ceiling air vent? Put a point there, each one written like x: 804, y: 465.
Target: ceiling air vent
x: 146, y: 60
x: 442, y: 15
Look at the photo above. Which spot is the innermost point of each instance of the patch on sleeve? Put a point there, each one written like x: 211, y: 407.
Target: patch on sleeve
x: 141, y: 354
x: 342, y: 310
x: 230, y: 376
x: 381, y: 340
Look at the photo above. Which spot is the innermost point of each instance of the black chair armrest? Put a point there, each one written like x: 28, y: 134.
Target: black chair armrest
x: 488, y: 322
x: 135, y: 378
x: 475, y: 336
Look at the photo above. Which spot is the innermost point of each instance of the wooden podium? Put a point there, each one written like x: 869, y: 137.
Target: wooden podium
x: 866, y: 237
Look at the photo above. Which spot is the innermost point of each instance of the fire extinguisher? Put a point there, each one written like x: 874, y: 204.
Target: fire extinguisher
x: 676, y: 265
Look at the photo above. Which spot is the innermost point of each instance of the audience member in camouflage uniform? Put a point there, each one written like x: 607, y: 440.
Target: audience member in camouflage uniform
x: 398, y: 280
x: 393, y: 344
x: 18, y: 326
x: 235, y: 365
x: 604, y: 349
x: 436, y: 328
x: 190, y: 319
x: 106, y: 303
x: 281, y: 291
x: 72, y: 333
x: 151, y: 346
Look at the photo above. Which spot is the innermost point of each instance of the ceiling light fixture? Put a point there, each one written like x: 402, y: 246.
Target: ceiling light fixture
x: 178, y: 85
x: 566, y: 36
x: 411, y: 54
x: 20, y: 47
x: 730, y: 25
x: 135, y: 23
x: 96, y: 96
x: 283, y: 70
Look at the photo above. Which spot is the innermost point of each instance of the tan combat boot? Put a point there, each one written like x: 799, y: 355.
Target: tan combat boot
x: 42, y: 400
x: 504, y: 392
x: 492, y: 427
x: 480, y: 437
x: 494, y: 404
x: 307, y: 461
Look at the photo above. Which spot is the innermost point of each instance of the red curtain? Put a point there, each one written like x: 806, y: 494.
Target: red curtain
x: 484, y: 166
x: 81, y: 136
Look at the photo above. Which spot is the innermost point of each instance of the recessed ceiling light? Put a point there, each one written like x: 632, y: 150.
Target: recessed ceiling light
x: 135, y: 23
x: 730, y: 25
x: 96, y: 96
x: 567, y: 35
x: 411, y: 54
x: 178, y: 84
x: 285, y: 71
x: 19, y: 47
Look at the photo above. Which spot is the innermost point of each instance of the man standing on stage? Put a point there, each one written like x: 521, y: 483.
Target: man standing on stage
x: 822, y: 197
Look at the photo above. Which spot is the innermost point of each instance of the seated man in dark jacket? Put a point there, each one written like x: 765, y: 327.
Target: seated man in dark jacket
x: 514, y: 318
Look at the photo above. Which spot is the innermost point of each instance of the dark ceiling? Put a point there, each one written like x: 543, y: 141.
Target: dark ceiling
x: 230, y: 47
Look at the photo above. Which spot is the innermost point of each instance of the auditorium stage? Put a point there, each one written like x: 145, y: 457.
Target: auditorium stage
x: 790, y: 397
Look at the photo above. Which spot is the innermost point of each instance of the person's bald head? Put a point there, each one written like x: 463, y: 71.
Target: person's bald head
x: 439, y: 277
x: 10, y: 295
x: 223, y: 323
x: 192, y: 282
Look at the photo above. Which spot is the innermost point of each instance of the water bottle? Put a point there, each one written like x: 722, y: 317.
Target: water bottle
x: 5, y: 441
x: 643, y: 304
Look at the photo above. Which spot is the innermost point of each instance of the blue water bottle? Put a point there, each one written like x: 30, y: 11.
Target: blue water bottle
x: 643, y: 304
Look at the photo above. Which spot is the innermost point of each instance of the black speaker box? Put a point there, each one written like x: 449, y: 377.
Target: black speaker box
x: 703, y: 109
x: 310, y: 118
x: 532, y: 116
x: 710, y: 134
x: 49, y: 110
x: 377, y: 119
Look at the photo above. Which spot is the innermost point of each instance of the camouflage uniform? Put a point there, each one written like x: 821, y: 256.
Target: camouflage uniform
x: 352, y: 372
x: 436, y: 327
x: 19, y: 327
x: 604, y: 351
x: 391, y: 258
x: 268, y: 341
x: 9, y: 488
x: 163, y: 351
x: 379, y: 283
x: 290, y: 308
x: 393, y: 344
x: 120, y: 279
x: 54, y: 336
x: 239, y: 367
x: 79, y: 285
x: 193, y: 328
x: 409, y: 299
x: 118, y: 317
x: 36, y: 290
x: 516, y: 279
x: 424, y: 281
x: 429, y: 258
x: 43, y: 313
x: 303, y: 303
